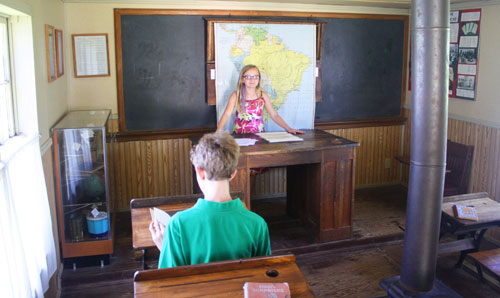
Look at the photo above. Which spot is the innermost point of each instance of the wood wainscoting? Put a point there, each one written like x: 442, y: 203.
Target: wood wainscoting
x: 139, y: 169
x: 485, y: 173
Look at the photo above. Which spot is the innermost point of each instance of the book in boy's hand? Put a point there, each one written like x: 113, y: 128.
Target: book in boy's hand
x: 266, y: 290
x: 160, y: 215
x: 465, y: 212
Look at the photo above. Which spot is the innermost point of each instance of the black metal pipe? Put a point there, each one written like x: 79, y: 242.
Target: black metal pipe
x: 430, y: 48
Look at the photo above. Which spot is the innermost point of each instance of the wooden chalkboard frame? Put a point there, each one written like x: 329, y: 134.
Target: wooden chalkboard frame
x: 175, y: 133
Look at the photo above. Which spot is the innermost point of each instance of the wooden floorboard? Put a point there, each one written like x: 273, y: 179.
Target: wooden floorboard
x: 349, y: 268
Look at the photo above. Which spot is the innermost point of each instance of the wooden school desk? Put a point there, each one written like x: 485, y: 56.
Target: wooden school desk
x: 469, y: 233
x: 320, y: 179
x: 141, y: 217
x: 221, y: 279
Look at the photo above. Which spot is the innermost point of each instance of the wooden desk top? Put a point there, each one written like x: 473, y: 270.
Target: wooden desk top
x: 220, y: 279
x: 487, y: 210
x: 313, y: 140
x: 141, y: 217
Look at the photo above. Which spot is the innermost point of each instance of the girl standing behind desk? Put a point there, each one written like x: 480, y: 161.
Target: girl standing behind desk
x: 249, y: 100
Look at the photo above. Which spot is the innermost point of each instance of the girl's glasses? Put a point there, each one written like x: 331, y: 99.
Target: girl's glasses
x: 251, y: 77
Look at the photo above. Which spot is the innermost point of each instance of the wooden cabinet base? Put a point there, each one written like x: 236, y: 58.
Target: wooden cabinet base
x: 88, y: 248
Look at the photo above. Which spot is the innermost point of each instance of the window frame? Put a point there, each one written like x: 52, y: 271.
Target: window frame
x: 9, y: 107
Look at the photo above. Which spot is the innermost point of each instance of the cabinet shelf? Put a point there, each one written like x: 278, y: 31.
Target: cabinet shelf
x: 82, y: 183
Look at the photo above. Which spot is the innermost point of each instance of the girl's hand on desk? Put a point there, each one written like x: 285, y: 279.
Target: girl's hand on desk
x: 157, y: 230
x: 296, y: 131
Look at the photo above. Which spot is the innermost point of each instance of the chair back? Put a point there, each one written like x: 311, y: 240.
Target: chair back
x: 459, y: 162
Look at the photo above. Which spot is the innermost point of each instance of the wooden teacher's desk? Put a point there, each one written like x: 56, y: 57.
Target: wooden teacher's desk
x: 320, y: 179
x: 221, y: 279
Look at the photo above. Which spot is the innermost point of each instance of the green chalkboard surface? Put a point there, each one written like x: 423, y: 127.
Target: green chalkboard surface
x: 161, y: 67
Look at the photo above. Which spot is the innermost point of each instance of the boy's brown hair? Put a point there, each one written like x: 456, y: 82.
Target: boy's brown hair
x: 217, y: 154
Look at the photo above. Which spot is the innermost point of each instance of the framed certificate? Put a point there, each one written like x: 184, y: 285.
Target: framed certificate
x: 59, y: 53
x: 90, y: 55
x: 50, y: 44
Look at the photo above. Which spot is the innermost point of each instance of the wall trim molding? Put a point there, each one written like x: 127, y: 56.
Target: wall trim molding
x: 468, y: 119
x: 45, y: 146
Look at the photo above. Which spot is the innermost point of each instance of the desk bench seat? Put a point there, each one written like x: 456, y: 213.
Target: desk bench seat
x: 488, y: 261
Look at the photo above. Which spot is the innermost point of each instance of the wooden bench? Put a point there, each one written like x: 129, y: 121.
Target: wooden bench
x: 141, y: 217
x: 487, y: 261
x: 221, y: 279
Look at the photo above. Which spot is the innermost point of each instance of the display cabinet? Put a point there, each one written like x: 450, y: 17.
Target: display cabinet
x: 82, y: 184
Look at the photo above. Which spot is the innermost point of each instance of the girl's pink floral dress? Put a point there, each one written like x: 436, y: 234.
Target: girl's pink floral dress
x: 250, y: 120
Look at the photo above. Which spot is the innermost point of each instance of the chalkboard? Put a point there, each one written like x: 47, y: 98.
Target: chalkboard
x: 164, y: 72
x: 161, y: 67
x: 362, y: 67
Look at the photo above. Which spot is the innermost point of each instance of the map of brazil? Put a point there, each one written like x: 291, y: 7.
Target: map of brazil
x: 286, y: 57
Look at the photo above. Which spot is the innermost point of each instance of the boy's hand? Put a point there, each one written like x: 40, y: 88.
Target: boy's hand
x: 157, y: 230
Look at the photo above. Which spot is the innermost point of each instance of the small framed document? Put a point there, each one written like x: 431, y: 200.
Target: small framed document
x: 59, y: 53
x: 90, y: 55
x: 50, y: 43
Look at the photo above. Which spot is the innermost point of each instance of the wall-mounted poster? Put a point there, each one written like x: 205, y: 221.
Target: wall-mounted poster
x: 464, y: 49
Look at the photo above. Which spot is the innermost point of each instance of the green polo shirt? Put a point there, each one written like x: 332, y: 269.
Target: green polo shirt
x: 211, y: 231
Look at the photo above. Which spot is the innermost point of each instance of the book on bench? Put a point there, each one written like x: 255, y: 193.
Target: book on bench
x: 266, y: 289
x: 160, y: 215
x: 465, y: 212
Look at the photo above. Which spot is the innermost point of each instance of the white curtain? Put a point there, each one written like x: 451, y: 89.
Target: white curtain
x: 27, y: 251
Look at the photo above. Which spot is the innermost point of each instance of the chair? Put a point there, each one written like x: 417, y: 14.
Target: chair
x: 458, y: 161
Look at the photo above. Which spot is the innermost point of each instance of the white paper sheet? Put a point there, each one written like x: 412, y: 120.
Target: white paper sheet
x: 245, y: 142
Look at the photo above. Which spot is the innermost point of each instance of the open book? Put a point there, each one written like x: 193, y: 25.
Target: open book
x: 160, y: 215
x: 279, y: 136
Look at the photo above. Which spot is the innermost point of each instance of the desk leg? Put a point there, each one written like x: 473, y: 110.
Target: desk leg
x: 144, y: 264
x: 478, y: 237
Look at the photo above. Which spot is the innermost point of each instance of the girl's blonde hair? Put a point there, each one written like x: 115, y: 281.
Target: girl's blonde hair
x: 239, y: 96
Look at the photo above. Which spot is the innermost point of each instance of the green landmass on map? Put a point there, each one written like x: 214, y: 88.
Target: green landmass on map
x: 283, y: 67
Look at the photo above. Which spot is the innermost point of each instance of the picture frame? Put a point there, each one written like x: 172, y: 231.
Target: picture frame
x: 90, y: 55
x: 50, y: 44
x: 59, y: 53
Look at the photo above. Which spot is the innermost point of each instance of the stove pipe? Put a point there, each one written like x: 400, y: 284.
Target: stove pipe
x: 429, y: 62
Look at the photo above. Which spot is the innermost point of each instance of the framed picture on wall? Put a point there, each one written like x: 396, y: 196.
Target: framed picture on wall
x: 50, y: 44
x: 90, y: 55
x: 59, y: 53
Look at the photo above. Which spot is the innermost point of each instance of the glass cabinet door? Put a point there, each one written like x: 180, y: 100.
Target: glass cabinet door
x: 81, y: 177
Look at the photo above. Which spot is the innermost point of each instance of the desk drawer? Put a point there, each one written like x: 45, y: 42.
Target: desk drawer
x: 286, y: 159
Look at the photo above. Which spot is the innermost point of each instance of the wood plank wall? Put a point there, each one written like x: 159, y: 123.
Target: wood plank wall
x: 378, y: 146
x: 161, y: 167
x: 485, y: 173
x: 143, y: 169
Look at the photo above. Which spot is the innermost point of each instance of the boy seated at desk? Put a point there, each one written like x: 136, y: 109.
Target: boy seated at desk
x: 216, y: 228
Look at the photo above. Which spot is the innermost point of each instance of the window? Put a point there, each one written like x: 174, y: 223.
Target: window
x: 7, y: 123
x: 27, y: 250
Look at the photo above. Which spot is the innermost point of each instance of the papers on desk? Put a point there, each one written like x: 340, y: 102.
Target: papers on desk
x: 275, y: 137
x: 245, y: 142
